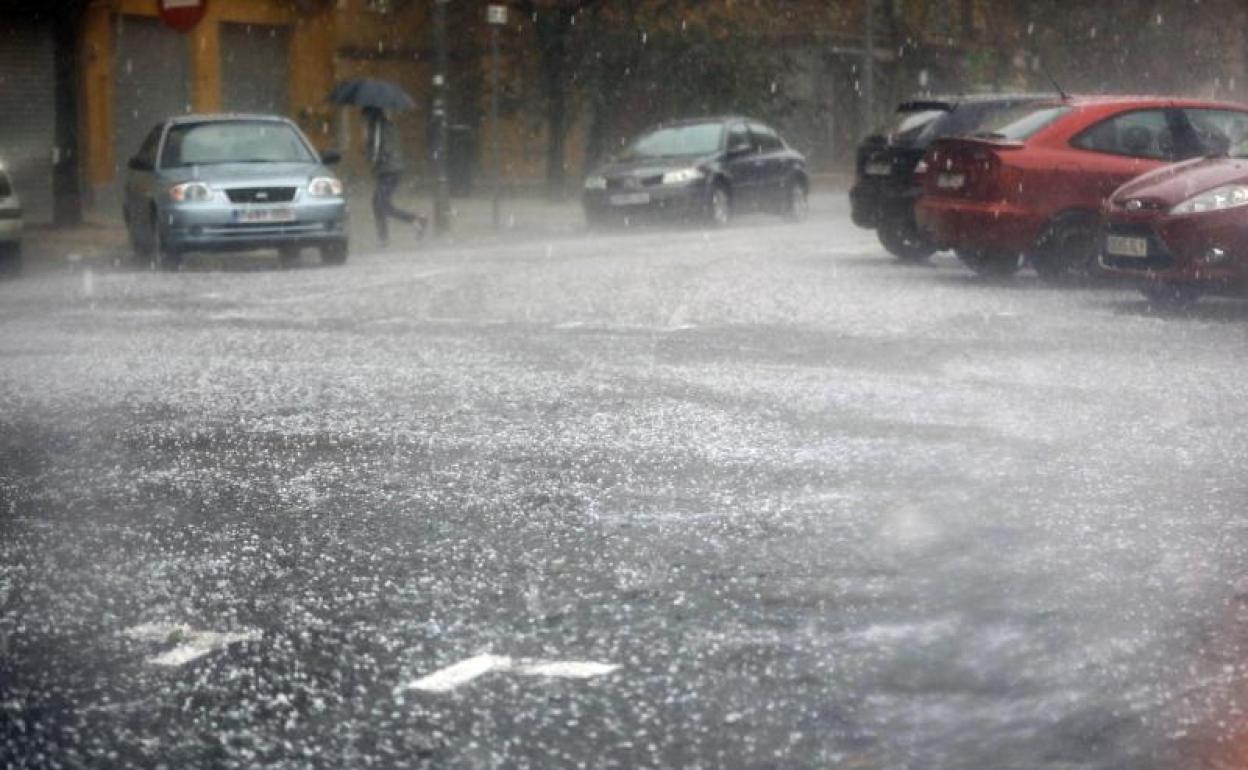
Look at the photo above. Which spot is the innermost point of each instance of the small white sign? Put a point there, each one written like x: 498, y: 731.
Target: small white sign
x: 496, y: 14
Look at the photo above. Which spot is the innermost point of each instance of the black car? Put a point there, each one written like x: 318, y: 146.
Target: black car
x: 707, y: 169
x: 886, y: 188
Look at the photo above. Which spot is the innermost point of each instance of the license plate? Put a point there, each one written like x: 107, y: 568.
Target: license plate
x: 877, y: 168
x: 947, y: 181
x: 264, y: 215
x: 630, y: 199
x: 1122, y: 246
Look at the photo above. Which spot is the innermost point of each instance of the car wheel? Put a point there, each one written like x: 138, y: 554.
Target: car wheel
x: 288, y: 256
x: 1068, y: 249
x: 140, y: 244
x: 162, y: 256
x: 334, y: 253
x: 719, y: 208
x: 900, y: 236
x: 10, y: 259
x: 990, y: 264
x: 797, y: 202
x: 1171, y: 296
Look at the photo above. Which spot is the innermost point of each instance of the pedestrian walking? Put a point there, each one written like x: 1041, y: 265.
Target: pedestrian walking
x: 386, y: 160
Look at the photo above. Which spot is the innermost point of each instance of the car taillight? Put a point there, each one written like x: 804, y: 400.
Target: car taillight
x: 962, y: 174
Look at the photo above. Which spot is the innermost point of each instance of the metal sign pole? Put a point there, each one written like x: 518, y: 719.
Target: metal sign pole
x: 442, y: 194
x: 496, y: 15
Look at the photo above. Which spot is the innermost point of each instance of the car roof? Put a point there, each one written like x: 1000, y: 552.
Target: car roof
x: 1144, y: 100
x: 708, y: 119
x: 949, y: 102
x: 210, y: 117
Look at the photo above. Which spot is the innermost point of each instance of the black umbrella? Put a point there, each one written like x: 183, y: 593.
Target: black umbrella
x: 370, y: 92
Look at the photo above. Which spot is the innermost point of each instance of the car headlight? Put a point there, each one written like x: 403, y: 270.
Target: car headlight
x: 595, y: 183
x: 191, y: 192
x: 683, y: 176
x: 1226, y: 197
x: 325, y: 187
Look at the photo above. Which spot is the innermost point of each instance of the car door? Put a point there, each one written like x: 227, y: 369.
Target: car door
x: 771, y: 165
x: 141, y: 182
x: 1117, y: 149
x: 740, y: 162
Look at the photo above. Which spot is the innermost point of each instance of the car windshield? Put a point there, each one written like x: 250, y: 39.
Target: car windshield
x: 907, y: 126
x: 678, y: 141
x: 1021, y: 123
x: 235, y: 141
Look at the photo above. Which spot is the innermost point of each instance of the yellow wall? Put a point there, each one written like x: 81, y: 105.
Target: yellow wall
x: 311, y: 69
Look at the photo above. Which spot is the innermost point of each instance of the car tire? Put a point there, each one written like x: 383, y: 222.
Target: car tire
x: 596, y: 220
x: 335, y: 253
x: 1068, y: 249
x: 1171, y: 296
x: 10, y: 259
x: 140, y: 244
x: 900, y: 236
x: 719, y: 205
x: 288, y: 256
x: 161, y: 255
x: 990, y: 264
x: 796, y: 201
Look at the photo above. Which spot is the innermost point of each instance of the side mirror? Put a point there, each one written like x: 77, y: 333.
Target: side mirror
x: 138, y: 164
x: 739, y: 150
x: 330, y: 157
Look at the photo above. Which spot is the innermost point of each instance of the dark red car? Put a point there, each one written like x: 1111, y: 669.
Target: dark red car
x: 1183, y: 229
x: 1033, y: 185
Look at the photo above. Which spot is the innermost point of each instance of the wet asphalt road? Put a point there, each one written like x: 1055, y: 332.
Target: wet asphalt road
x: 822, y: 510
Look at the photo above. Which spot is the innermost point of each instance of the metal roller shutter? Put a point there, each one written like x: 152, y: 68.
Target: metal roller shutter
x: 255, y: 68
x: 28, y: 114
x: 152, y: 81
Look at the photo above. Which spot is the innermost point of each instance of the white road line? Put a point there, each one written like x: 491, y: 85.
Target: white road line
x: 454, y: 676
x: 191, y: 644
x: 566, y: 669
x: 461, y: 673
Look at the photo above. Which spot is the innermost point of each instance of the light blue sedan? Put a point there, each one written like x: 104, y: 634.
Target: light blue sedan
x: 233, y: 183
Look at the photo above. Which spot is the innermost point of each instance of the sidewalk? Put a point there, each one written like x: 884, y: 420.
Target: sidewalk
x: 102, y: 241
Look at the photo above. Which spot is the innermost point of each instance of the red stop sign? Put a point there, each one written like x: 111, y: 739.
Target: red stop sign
x: 182, y: 15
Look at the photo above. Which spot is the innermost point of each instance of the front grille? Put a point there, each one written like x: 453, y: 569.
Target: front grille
x: 248, y: 230
x: 624, y: 183
x: 1159, y: 256
x: 261, y: 194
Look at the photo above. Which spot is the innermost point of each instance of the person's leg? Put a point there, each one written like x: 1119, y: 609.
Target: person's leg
x: 403, y: 215
x: 381, y: 198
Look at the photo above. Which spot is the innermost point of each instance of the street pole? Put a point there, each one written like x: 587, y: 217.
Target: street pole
x: 496, y: 15
x: 868, y: 69
x: 442, y: 192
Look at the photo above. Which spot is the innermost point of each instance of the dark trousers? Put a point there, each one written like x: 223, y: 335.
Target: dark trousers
x: 383, y: 206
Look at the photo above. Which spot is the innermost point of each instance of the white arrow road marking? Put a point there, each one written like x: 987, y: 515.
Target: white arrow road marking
x: 191, y: 644
x: 459, y: 674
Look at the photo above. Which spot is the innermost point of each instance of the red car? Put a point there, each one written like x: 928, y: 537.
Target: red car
x: 1183, y: 229
x: 1032, y: 186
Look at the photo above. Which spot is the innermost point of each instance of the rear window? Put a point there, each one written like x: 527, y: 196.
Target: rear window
x: 1021, y: 123
x: 906, y: 127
